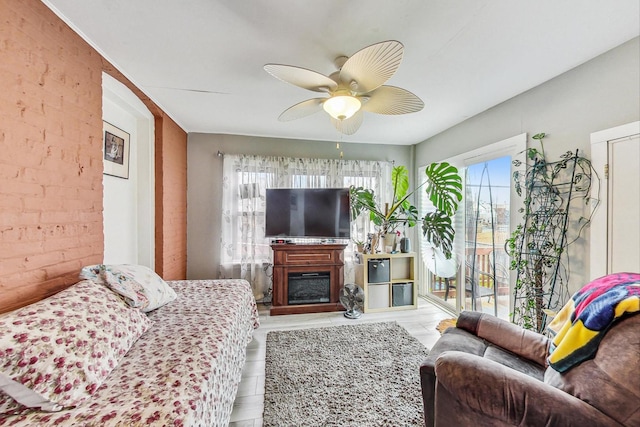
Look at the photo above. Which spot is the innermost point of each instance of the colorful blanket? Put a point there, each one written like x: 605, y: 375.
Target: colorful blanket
x: 583, y: 321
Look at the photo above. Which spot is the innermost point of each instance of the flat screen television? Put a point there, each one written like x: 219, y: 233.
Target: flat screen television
x: 308, y: 212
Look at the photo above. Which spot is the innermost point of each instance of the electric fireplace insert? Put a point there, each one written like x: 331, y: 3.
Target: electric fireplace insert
x: 309, y: 288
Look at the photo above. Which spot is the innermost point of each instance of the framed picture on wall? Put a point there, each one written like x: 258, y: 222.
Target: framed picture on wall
x: 115, y: 151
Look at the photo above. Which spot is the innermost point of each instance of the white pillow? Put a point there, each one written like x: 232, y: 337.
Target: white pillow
x: 140, y: 286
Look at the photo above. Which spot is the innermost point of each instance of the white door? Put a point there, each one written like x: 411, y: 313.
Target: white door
x: 617, y: 226
x: 624, y: 205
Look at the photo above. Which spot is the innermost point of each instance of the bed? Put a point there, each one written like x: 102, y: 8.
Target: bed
x: 184, y: 370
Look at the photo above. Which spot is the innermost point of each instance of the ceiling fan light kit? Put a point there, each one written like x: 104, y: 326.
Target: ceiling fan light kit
x: 357, y: 86
x: 342, y: 107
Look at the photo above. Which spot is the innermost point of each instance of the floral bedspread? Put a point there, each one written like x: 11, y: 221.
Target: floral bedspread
x: 184, y: 371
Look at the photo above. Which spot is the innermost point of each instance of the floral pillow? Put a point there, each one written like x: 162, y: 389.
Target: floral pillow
x: 56, y: 353
x: 140, y: 286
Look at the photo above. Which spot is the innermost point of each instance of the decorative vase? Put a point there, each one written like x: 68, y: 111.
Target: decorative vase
x: 405, y: 245
x: 373, y: 242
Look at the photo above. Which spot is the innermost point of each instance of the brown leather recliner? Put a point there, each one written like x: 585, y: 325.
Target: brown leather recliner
x: 490, y: 372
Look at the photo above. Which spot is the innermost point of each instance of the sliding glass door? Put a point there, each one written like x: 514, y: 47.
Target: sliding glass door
x: 478, y: 277
x: 486, y: 229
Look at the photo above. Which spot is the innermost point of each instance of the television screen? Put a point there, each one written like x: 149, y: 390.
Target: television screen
x: 308, y: 212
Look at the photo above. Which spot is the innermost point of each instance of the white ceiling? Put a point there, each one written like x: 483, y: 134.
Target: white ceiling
x: 201, y: 60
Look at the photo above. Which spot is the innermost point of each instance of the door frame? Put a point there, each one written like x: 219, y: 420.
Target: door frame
x: 127, y: 103
x: 599, y: 236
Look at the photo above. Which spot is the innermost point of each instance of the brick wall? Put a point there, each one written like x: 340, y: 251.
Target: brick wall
x: 50, y: 166
x: 51, y: 158
x: 171, y: 199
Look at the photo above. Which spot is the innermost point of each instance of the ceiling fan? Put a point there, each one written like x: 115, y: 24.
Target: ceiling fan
x: 356, y: 87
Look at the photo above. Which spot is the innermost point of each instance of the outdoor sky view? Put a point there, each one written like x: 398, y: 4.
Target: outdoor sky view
x: 490, y: 182
x: 499, y: 175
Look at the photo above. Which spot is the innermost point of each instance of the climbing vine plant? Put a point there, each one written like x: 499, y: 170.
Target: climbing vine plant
x: 555, y: 196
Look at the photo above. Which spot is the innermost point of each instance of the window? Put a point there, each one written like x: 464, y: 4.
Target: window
x: 245, y: 251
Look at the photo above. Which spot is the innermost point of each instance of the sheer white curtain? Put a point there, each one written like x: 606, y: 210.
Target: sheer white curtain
x: 245, y: 251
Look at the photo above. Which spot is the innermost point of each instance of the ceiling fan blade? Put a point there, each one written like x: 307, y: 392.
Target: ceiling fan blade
x: 392, y: 100
x: 301, y: 77
x: 349, y: 126
x: 370, y: 67
x: 302, y: 109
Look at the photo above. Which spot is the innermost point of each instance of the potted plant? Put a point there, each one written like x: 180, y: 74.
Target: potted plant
x: 538, y: 247
x: 444, y: 189
x: 359, y: 245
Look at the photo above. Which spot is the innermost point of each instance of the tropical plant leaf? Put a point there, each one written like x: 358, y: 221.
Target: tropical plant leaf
x: 444, y: 187
x: 437, y: 229
x: 410, y: 214
x: 400, y: 181
x: 376, y: 219
x: 517, y: 177
x: 362, y: 199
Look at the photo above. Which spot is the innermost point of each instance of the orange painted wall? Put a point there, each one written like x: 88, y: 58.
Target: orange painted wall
x: 51, y: 162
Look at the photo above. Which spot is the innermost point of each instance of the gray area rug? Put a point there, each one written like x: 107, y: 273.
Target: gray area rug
x: 352, y: 375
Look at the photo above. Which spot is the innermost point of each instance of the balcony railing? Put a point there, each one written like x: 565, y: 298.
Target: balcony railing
x: 479, y: 276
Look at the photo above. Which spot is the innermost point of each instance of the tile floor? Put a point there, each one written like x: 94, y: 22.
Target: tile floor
x: 247, y: 409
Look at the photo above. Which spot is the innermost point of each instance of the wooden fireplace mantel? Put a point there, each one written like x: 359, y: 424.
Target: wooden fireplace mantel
x: 301, y: 258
